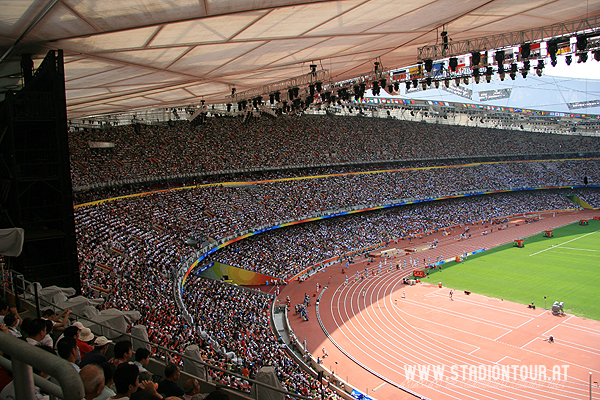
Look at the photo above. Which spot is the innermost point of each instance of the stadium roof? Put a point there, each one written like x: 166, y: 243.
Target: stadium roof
x: 131, y: 54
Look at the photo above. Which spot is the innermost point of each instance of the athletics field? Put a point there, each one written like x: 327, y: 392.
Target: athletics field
x: 565, y: 268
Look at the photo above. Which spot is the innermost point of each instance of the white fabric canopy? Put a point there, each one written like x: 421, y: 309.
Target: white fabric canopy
x: 131, y: 54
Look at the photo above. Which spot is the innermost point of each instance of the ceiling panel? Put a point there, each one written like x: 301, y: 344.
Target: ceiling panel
x: 156, y: 58
x: 87, y: 67
x: 135, y: 102
x: 139, y: 53
x: 132, y: 88
x: 364, y: 17
x: 171, y: 95
x: 16, y: 15
x: 120, y: 40
x: 122, y: 14
x: 509, y: 7
x: 199, y: 90
x: 204, y: 59
x: 336, y: 45
x: 233, y: 6
x: 215, y: 29
x: 88, y: 92
x: 267, y: 54
x: 294, y: 21
x: 161, y: 78
x: 60, y: 22
x: 102, y: 78
x: 428, y: 17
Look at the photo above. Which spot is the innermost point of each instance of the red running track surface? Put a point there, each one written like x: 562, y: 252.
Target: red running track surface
x: 377, y: 336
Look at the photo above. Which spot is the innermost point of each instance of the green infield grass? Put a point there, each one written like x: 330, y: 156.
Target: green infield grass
x: 565, y: 268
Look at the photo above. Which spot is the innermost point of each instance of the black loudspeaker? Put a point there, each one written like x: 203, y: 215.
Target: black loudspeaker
x: 585, y: 180
x: 35, y: 178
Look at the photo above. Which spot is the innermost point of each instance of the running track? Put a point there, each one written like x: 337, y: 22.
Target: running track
x: 375, y: 333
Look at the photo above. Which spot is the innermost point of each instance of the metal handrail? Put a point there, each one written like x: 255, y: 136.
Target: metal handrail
x: 24, y: 356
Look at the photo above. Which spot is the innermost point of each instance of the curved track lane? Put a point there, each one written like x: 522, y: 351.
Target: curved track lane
x: 379, y: 336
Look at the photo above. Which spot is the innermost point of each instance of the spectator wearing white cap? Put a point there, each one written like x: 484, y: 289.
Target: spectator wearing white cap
x: 98, y: 355
x: 85, y: 336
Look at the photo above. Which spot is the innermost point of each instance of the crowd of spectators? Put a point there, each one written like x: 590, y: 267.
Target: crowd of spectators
x: 219, y: 309
x: 230, y: 144
x: 102, y: 377
x: 590, y: 196
x: 164, y: 219
x: 128, y: 248
x: 284, y: 254
x: 234, y: 333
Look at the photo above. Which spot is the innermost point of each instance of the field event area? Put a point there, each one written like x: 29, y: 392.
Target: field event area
x: 565, y: 267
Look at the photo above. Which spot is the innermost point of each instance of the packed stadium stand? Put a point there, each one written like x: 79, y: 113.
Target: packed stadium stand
x: 132, y: 241
x: 187, y: 229
x: 129, y: 247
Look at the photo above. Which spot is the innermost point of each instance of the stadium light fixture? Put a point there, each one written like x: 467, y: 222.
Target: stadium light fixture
x: 582, y: 43
x: 488, y: 74
x: 475, y: 58
x: 552, y: 49
x: 582, y: 57
x: 428, y: 65
x: 540, y: 68
x: 476, y: 75
x: 453, y: 64
x: 525, y: 50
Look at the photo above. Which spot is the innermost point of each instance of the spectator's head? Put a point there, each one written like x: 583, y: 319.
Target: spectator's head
x: 109, y: 372
x: 102, y: 343
x: 191, y: 386
x: 126, y: 379
x: 67, y: 348
x: 92, y: 377
x: 123, y: 350
x: 48, y: 313
x: 171, y: 372
x: 10, y: 320
x: 71, y: 331
x: 36, y: 329
x: 142, y: 356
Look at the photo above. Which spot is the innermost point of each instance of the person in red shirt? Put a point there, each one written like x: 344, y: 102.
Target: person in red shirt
x: 85, y: 336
